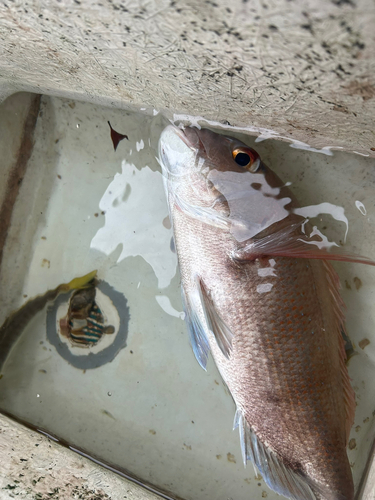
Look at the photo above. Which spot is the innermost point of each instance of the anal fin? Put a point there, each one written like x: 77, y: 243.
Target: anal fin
x: 280, y: 478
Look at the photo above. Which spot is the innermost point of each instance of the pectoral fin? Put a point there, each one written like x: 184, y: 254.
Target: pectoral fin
x: 196, y: 328
x: 197, y: 300
x: 290, y: 241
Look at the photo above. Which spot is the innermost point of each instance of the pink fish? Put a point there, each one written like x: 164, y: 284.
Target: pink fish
x: 259, y: 293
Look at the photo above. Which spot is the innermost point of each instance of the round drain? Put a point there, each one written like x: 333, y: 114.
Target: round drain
x: 89, y: 327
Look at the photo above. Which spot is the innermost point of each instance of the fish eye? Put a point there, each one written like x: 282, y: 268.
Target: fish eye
x: 242, y: 159
x: 246, y: 158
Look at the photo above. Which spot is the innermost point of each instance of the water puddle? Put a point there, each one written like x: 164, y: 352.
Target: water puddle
x: 133, y: 395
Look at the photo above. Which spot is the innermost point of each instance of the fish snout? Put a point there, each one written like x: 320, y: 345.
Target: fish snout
x: 176, y: 150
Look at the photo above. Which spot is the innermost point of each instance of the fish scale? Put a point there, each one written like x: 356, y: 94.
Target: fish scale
x: 266, y: 303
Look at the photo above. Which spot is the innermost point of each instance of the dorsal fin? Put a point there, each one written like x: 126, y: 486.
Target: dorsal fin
x: 339, y: 307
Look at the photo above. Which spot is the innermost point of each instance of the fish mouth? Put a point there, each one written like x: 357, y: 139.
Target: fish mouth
x: 192, y: 139
x: 179, y: 147
x: 189, y: 136
x: 203, y: 141
x: 181, y: 134
x: 175, y: 149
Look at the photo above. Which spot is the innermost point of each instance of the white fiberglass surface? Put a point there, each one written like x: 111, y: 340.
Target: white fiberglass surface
x: 148, y: 407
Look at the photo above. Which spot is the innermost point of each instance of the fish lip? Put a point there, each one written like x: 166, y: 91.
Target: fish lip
x: 200, y: 144
x: 180, y: 132
x: 182, y: 135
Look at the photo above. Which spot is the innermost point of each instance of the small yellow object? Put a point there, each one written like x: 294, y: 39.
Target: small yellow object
x: 82, y: 282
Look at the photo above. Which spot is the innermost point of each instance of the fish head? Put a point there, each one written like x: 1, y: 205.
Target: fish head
x: 223, y: 153
x: 223, y: 175
x: 184, y: 163
x: 190, y: 156
x: 183, y: 151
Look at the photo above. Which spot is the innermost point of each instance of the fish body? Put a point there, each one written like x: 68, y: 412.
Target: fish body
x: 272, y: 321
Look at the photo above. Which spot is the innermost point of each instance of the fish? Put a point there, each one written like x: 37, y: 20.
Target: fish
x: 260, y: 294
x: 15, y: 323
x: 84, y: 323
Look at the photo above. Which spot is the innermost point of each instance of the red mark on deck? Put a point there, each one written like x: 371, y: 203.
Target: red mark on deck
x: 116, y: 137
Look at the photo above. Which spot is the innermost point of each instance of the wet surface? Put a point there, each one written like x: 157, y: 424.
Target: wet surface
x: 142, y: 402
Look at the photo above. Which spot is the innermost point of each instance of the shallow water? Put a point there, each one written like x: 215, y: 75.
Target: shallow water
x: 139, y: 399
